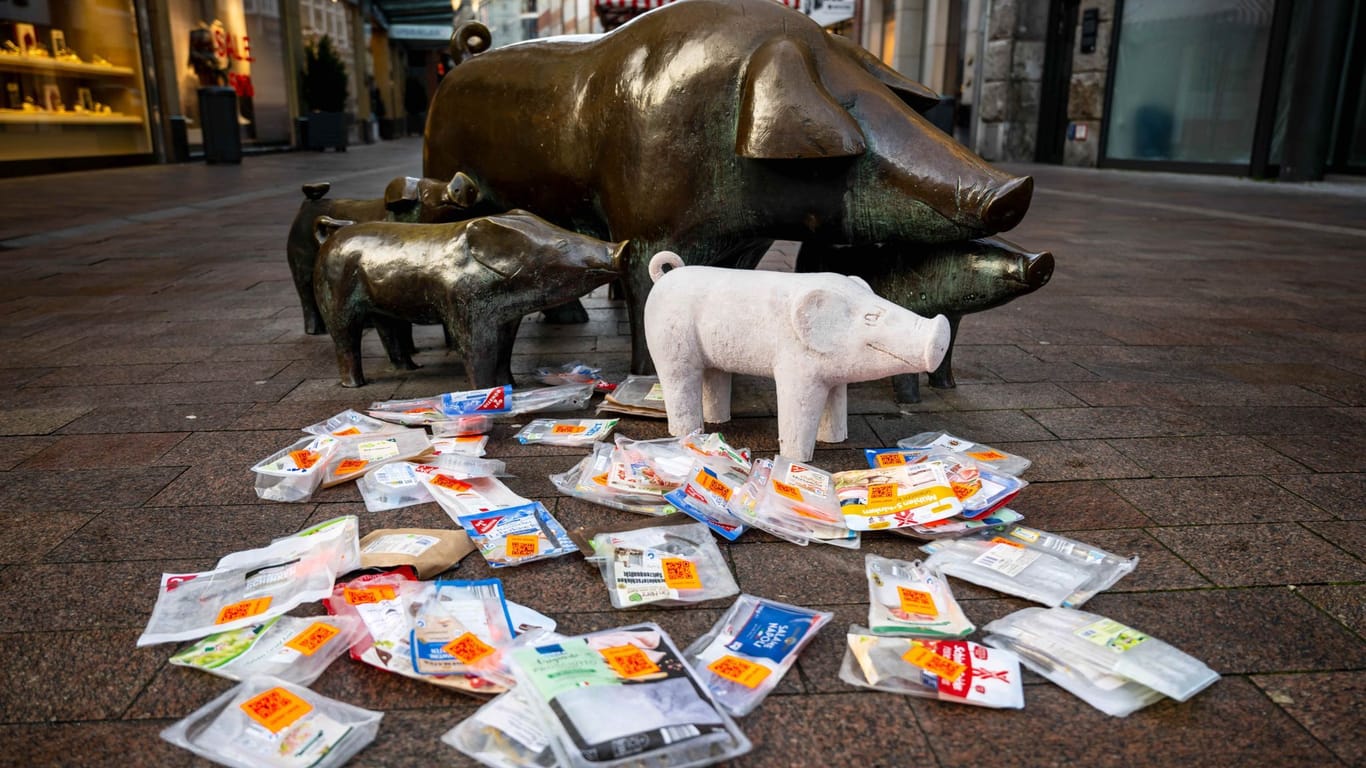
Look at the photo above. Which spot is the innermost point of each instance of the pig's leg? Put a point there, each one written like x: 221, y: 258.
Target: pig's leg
x: 906, y: 386
x: 481, y: 356
x: 716, y: 396
x: 834, y: 426
x: 637, y: 283
x: 396, y: 337
x: 568, y: 313
x: 507, y: 337
x: 942, y: 377
x: 346, y: 333
x: 801, y: 403
x: 682, y: 397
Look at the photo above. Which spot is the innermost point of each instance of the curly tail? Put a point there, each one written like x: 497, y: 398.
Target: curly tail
x: 470, y: 40
x: 660, y: 261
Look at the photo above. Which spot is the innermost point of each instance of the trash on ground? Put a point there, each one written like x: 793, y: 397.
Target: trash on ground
x: 1030, y: 563
x: 293, y: 648
x: 910, y: 599
x: 469, y: 466
x: 794, y: 502
x: 894, y: 497
x: 566, y: 397
x: 292, y: 474
x: 746, y: 653
x: 1113, y: 667
x: 504, y: 733
x: 349, y: 423
x: 583, y: 536
x: 954, y: 527
x: 999, y: 460
x: 268, y: 721
x: 624, y: 696
x: 517, y: 535
x: 574, y: 373
x: 587, y: 480
x: 336, y: 541
x: 467, y: 445
x: 461, y: 426
x: 355, y: 456
x: 707, y: 495
x: 458, y: 626
x: 565, y: 431
x: 428, y: 551
x: 667, y: 565
x: 392, y: 486
x: 460, y: 497
x: 958, y: 671
x: 476, y: 401
x: 636, y: 396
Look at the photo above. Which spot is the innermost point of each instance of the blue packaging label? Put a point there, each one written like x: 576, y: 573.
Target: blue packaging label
x: 771, y: 633
x: 495, y: 400
x: 697, y: 510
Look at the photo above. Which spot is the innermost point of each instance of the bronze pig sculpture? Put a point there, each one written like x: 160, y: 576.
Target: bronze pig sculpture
x: 711, y: 128
x: 952, y: 279
x: 476, y: 278
x: 405, y: 199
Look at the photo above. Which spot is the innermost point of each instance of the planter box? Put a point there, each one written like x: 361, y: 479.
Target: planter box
x: 327, y: 129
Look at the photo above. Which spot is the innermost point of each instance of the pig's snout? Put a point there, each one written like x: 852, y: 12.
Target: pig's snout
x: 1038, y: 269
x: 937, y: 339
x: 1008, y: 204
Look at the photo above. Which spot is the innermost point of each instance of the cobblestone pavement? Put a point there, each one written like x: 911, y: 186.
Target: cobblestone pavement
x: 1190, y: 388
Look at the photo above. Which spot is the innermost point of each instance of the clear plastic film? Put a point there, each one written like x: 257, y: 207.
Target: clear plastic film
x: 794, y: 502
x: 354, y: 456
x: 667, y: 565
x: 1001, y: 461
x: 955, y: 527
x: 392, y: 486
x: 565, y: 431
x: 910, y: 599
x: 956, y: 671
x: 504, y: 733
x: 458, y: 627
x: 707, y: 495
x: 587, y: 480
x: 349, y: 423
x: 293, y: 648
x: 566, y: 397
x: 292, y: 474
x: 517, y: 535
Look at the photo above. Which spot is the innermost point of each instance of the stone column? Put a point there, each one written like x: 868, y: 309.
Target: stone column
x: 1086, y: 91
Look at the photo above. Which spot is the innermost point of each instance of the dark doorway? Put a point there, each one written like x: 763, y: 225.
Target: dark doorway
x: 1348, y: 154
x: 1057, y: 80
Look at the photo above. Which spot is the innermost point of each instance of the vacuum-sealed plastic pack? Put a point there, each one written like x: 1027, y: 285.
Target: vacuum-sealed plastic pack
x: 336, y: 541
x: 292, y: 474
x: 981, y: 490
x: 957, y: 671
x: 794, y: 502
x: 666, y: 565
x: 517, y: 535
x: 504, y: 733
x: 894, y: 497
x: 565, y: 397
x: 910, y: 599
x: 1001, y: 461
x: 354, y: 456
x: 349, y: 423
x: 392, y: 486
x: 1030, y: 563
x: 565, y: 431
x: 468, y: 445
x: 265, y: 721
x: 470, y: 466
x: 744, y: 656
x: 458, y: 626
x: 468, y: 496
x: 707, y: 494
x: 636, y: 396
x: 954, y: 527
x: 293, y: 648
x: 574, y: 373
x: 428, y: 551
x: 461, y: 426
x: 587, y: 480
x: 472, y: 402
x: 647, y: 466
x: 1092, y: 648
x: 624, y: 697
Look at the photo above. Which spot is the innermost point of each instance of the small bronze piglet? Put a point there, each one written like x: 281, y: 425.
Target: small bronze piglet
x: 477, y: 278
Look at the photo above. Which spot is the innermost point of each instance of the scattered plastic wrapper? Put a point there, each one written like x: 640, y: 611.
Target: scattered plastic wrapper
x: 958, y: 671
x: 910, y: 599
x: 1030, y: 563
x: 337, y: 541
x: 517, y: 535
x: 980, y: 490
x: 460, y: 497
x: 294, y: 473
x: 793, y: 501
x: 636, y: 396
x: 565, y: 431
x: 461, y: 426
x: 296, y: 649
x: 587, y: 480
x: 1113, y: 667
x: 471, y: 466
x: 894, y: 497
x: 392, y: 486
x: 265, y: 721
x: 428, y: 551
x: 744, y: 656
x: 999, y: 460
x: 504, y: 733
x: 707, y: 495
x: 349, y: 423
x: 624, y: 697
x: 583, y: 535
x: 954, y: 527
x: 574, y: 373
x: 458, y: 627
x: 355, y: 456
x: 567, y: 397
x: 472, y: 402
x: 469, y: 445
x: 665, y: 565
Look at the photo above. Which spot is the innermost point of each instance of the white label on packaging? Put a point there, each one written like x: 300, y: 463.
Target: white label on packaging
x: 1025, y: 534
x: 808, y: 479
x: 1007, y: 559
x: 400, y: 544
x: 990, y: 488
x: 396, y: 476
x: 1108, y: 633
x: 378, y: 450
x: 952, y: 443
x: 517, y: 721
x: 656, y: 394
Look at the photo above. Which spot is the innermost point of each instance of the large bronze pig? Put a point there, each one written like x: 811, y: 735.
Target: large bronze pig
x: 952, y: 279
x: 710, y: 128
x: 405, y: 199
x: 477, y: 278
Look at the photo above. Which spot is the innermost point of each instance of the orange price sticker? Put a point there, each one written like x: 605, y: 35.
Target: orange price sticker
x: 917, y: 601
x: 468, y: 649
x: 243, y: 610
x: 999, y: 540
x: 446, y: 481
x: 882, y: 493
x: 419, y: 410
x: 789, y: 491
x: 351, y: 466
x: 890, y: 459
x: 369, y: 595
x: 568, y: 429
x: 921, y: 656
x: 680, y: 573
x: 304, y: 459
x: 313, y: 638
x: 600, y: 479
x: 713, y: 485
x: 346, y: 432
x: 629, y: 661
x: 468, y: 439
x: 738, y: 670
x: 991, y: 455
x: 523, y: 545
x: 276, y: 709
x: 964, y: 490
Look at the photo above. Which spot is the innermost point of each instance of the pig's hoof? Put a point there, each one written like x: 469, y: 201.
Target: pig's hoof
x: 572, y: 313
x: 352, y: 382
x: 906, y: 387
x: 942, y: 380
x: 314, y: 327
x: 407, y: 365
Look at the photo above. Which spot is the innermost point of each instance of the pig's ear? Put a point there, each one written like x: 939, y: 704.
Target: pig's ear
x: 785, y: 112
x: 916, y: 96
x: 324, y: 226
x: 820, y: 318
x: 462, y: 191
x: 401, y: 194
x: 494, y: 246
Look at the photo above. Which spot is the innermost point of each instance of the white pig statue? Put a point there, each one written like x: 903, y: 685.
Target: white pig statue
x: 811, y: 333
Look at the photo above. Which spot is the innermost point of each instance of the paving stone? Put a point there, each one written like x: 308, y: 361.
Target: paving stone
x: 32, y: 490
x: 787, y: 728
x: 1349, y: 536
x: 97, y: 743
x: 982, y: 426
x: 1090, y: 423
x: 186, y: 417
x: 1343, y: 496
x: 986, y: 397
x: 1326, y: 704
x: 1340, y: 452
x: 1076, y: 505
x: 86, y: 375
x: 1267, y: 553
x: 44, y: 669
x: 1278, y: 420
x: 1178, y: 501
x: 104, y: 451
x: 1204, y: 456
x: 1344, y: 602
x: 179, y: 532
x: 38, y: 421
x: 1158, y: 568
x: 1074, y: 460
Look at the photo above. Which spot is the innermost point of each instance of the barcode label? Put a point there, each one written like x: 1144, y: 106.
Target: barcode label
x: 1007, y: 559
x: 673, y: 733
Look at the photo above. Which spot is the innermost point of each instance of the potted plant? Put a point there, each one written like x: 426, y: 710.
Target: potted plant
x: 324, y: 96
